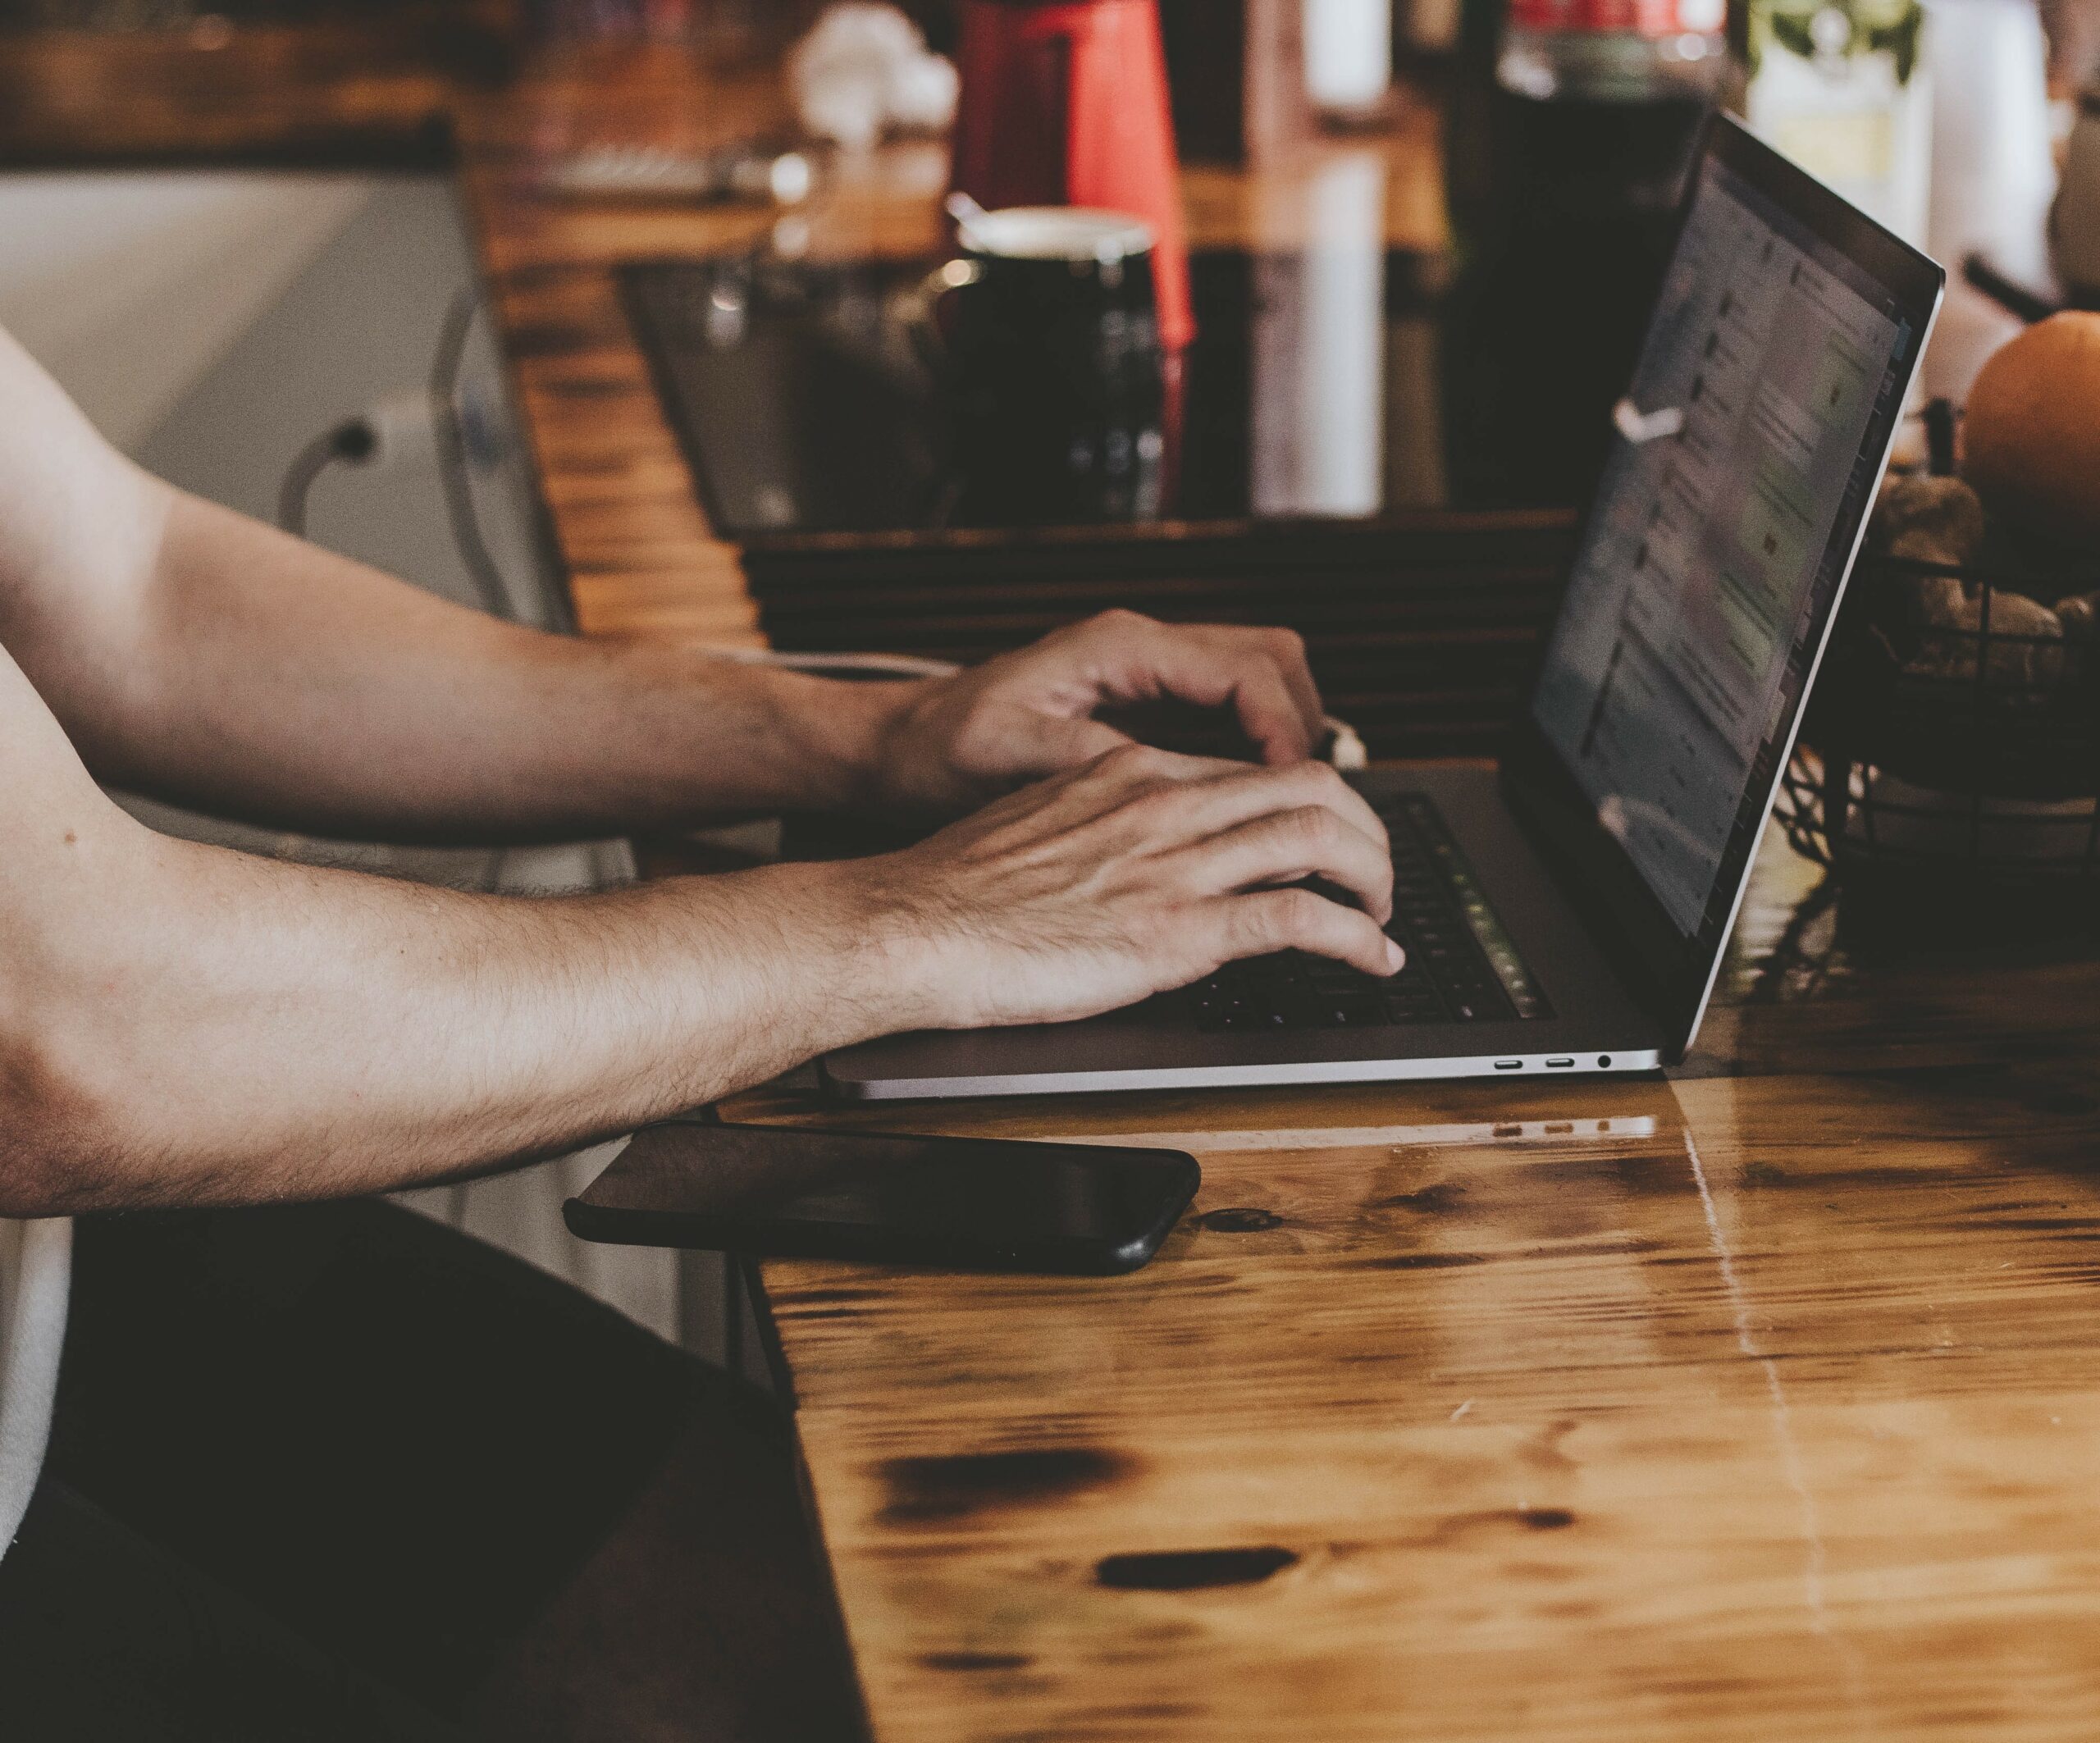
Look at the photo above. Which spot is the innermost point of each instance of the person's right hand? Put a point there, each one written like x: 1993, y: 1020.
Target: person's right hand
x: 1139, y: 872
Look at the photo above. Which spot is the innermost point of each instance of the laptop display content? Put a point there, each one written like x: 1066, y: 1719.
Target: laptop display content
x: 1754, y: 432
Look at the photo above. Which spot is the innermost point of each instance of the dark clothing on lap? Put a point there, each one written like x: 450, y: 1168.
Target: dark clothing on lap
x: 334, y: 1470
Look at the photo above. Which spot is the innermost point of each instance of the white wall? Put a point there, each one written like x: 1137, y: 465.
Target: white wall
x: 129, y: 287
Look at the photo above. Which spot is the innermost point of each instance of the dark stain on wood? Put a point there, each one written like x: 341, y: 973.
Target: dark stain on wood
x: 1577, y: 1246
x: 1494, y: 1523
x: 1192, y: 1570
x: 1435, y: 1199
x: 1422, y: 1261
x: 1239, y: 1219
x: 2068, y: 1228
x: 968, y: 1662
x: 963, y: 1485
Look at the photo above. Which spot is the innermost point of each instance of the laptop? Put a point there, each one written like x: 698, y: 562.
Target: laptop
x: 1566, y: 911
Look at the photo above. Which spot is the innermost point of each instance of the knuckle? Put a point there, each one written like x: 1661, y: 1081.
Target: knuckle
x: 1256, y: 924
x: 1120, y: 617
x: 1300, y: 915
x: 1133, y: 760
x: 1309, y: 788
x: 1152, y: 812
x: 1241, y: 930
x: 1297, y: 784
x: 1287, y: 642
x: 1316, y: 826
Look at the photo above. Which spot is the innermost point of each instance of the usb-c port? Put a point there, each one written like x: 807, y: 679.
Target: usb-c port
x: 1559, y: 1065
x: 1509, y: 1065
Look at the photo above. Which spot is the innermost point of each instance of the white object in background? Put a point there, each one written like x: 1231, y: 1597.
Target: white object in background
x: 1844, y: 117
x: 35, y: 1276
x: 404, y: 425
x: 1640, y: 427
x: 864, y: 69
x: 129, y: 286
x: 1993, y: 171
x: 1348, y: 52
x: 653, y: 172
x: 1319, y: 345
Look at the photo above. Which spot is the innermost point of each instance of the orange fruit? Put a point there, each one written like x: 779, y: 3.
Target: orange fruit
x: 2030, y: 435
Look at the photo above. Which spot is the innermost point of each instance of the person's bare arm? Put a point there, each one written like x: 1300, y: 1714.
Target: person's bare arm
x: 185, y: 1025
x: 181, y: 1023
x: 197, y: 656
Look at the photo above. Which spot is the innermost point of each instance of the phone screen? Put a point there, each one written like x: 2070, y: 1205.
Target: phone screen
x: 776, y: 1191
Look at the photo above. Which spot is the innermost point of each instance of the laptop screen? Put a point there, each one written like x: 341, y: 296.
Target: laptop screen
x: 1751, y: 442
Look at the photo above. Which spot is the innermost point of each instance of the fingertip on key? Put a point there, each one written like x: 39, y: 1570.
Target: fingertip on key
x: 1396, y: 958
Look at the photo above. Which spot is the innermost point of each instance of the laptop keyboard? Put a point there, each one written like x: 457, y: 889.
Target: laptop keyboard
x: 1461, y: 966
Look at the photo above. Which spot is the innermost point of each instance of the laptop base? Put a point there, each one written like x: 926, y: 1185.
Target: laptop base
x: 1595, y: 1025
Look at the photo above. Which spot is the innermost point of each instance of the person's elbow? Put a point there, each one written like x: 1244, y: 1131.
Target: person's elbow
x: 64, y: 1117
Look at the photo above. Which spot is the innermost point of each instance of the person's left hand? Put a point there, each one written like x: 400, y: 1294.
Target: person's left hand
x: 1017, y: 718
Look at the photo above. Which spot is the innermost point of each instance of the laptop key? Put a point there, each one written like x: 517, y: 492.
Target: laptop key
x: 1446, y: 978
x: 1336, y: 977
x: 1483, y: 1002
x: 1402, y: 1010
x: 1292, y: 1007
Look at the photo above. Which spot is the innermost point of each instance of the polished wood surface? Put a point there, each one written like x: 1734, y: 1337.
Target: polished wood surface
x: 1764, y: 1402
x: 1760, y: 1403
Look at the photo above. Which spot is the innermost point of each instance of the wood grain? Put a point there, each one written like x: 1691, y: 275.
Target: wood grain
x: 1767, y: 1409
x: 1760, y: 1403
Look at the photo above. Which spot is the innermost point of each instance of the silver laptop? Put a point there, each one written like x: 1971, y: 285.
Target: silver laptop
x: 1567, y: 911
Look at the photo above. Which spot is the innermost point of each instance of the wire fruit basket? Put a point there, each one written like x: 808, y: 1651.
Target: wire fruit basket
x: 1951, y: 745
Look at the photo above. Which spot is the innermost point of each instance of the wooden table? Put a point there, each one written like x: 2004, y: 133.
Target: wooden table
x: 1761, y: 1402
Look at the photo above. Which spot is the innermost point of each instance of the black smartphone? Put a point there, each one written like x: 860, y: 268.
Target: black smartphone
x: 959, y: 1203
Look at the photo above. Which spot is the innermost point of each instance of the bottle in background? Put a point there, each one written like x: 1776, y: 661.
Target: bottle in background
x: 1845, y: 89
x: 1348, y: 55
x: 1613, y: 51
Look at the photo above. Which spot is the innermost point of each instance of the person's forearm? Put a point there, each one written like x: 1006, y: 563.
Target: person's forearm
x: 248, y: 1030
x: 255, y: 659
